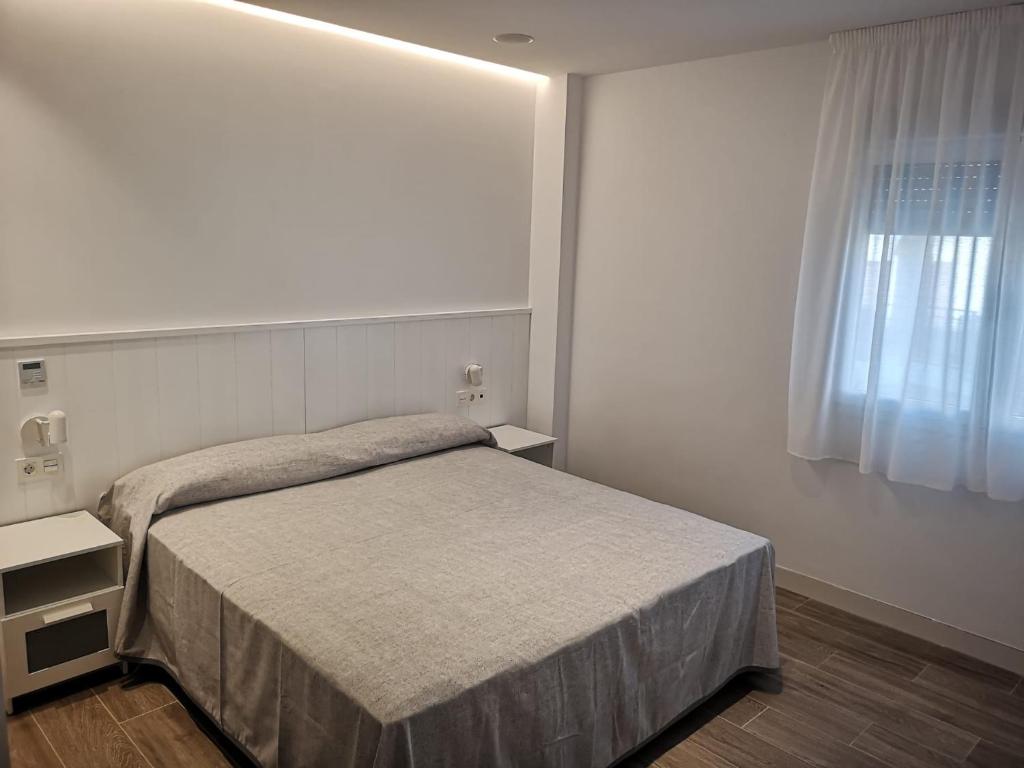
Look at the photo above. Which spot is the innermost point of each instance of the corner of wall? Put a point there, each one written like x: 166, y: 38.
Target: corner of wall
x: 556, y: 168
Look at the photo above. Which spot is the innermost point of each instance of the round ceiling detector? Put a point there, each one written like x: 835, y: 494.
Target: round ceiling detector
x: 513, y: 38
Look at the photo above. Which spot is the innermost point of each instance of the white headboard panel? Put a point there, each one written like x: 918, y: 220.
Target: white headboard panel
x: 133, y: 398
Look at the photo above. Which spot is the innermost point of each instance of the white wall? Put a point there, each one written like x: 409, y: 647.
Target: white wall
x: 693, y: 195
x: 169, y: 163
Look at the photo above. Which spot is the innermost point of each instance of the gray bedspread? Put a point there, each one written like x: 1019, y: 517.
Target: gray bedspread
x: 432, y: 602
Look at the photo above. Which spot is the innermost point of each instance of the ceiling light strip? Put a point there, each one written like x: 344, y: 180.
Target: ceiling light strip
x: 369, y: 37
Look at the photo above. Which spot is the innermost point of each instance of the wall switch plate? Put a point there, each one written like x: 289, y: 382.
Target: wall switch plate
x: 34, y: 468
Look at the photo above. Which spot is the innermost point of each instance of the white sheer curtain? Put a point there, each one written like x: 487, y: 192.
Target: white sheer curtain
x: 908, y: 343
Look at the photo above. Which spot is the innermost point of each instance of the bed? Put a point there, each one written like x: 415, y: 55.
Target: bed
x: 399, y: 593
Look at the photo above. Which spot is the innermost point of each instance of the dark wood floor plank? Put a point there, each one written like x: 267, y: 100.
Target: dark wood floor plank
x: 85, y: 735
x: 855, y: 646
x: 796, y: 645
x: 127, y: 698
x: 898, y: 752
x: 806, y: 703
x: 926, y: 701
x: 809, y: 744
x: 170, y: 739
x: 968, y: 690
x: 988, y: 755
x: 871, y: 706
x: 741, y: 747
x: 914, y: 646
x: 689, y: 755
x: 738, y: 712
x: 733, y: 703
x: 29, y: 748
x: 787, y: 600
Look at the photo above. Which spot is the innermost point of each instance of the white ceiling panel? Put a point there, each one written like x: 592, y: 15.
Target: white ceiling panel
x: 592, y: 36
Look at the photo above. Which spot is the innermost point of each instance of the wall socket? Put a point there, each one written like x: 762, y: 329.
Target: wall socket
x: 34, y: 468
x: 467, y: 398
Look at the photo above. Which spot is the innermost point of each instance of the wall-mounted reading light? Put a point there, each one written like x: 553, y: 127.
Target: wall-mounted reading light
x: 369, y: 37
x: 45, y: 431
x: 475, y: 374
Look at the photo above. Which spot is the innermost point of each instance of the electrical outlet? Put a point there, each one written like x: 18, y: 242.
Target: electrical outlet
x: 467, y: 398
x: 35, y: 468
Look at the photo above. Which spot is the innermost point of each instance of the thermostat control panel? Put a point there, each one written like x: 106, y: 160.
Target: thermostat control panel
x: 31, y: 372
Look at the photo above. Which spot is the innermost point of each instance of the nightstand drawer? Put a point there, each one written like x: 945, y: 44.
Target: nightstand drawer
x: 54, y: 643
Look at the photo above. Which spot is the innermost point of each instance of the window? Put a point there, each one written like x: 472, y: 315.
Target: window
x: 908, y: 335
x: 922, y: 296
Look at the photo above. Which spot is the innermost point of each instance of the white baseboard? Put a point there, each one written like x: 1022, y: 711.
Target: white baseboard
x: 984, y: 648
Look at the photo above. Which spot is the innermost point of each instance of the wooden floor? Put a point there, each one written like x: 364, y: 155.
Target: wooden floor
x: 850, y: 694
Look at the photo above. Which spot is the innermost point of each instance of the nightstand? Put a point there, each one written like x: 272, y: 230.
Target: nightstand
x: 60, y: 598
x: 522, y: 442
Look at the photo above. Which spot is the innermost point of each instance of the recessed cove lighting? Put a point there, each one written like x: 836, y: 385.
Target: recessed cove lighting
x: 369, y: 37
x: 513, y: 38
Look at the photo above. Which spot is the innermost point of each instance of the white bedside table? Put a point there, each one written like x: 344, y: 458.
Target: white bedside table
x: 60, y: 598
x: 522, y: 442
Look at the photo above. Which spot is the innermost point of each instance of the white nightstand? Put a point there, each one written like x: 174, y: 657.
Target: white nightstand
x: 522, y: 442
x: 60, y: 597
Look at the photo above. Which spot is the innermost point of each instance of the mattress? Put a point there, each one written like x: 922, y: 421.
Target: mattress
x: 461, y: 607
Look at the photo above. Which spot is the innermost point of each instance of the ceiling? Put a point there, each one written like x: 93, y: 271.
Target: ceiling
x: 592, y: 36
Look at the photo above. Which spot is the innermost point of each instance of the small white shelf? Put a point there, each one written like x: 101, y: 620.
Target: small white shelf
x: 532, y: 446
x: 514, y: 439
x: 51, y: 538
x: 52, y: 582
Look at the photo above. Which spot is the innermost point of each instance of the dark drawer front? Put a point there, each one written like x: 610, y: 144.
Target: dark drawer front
x: 57, y: 643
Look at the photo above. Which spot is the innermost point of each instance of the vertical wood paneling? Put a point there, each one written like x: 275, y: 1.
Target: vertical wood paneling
x: 520, y: 369
x: 178, y: 384
x: 91, y: 459
x: 12, y: 497
x: 480, y: 333
x: 456, y: 356
x: 408, y: 362
x: 132, y: 402
x: 255, y: 393
x: 42, y: 497
x: 380, y: 370
x: 288, y: 386
x: 218, y: 389
x: 136, y: 404
x: 352, y: 374
x: 499, y: 378
x: 432, y: 367
x: 321, y: 379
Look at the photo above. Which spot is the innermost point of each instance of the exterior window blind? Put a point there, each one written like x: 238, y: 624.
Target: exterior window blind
x: 935, y: 198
